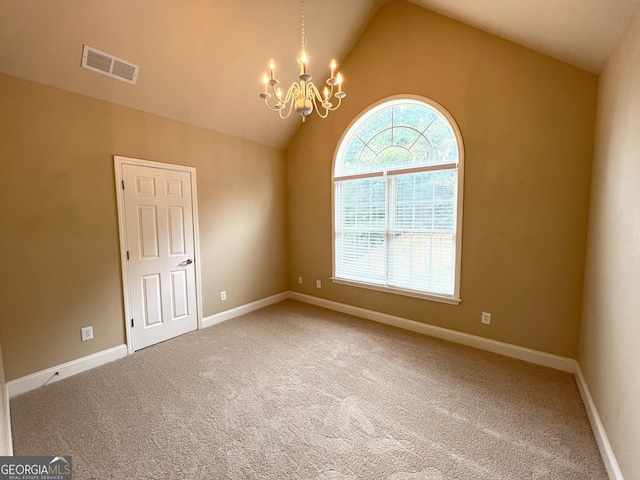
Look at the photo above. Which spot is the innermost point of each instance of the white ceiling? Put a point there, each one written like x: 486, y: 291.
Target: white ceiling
x: 580, y: 32
x: 201, y: 61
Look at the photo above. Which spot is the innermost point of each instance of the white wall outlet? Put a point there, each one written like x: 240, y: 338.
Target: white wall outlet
x: 300, y: 280
x: 486, y: 318
x: 318, y: 284
x: 87, y: 333
x: 223, y: 295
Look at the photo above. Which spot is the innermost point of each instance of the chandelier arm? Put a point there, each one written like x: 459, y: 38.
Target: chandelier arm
x: 283, y: 116
x: 330, y: 87
x: 330, y: 96
x: 291, y: 93
x: 274, y: 91
x: 314, y: 96
x: 313, y: 90
x: 288, y: 100
x: 318, y: 96
x: 280, y: 103
x: 335, y: 107
x: 320, y: 114
x: 273, y: 109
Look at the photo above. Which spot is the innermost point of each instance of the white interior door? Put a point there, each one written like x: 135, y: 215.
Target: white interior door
x: 160, y: 250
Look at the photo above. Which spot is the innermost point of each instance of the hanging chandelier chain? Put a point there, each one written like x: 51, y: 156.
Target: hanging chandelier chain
x: 304, y: 36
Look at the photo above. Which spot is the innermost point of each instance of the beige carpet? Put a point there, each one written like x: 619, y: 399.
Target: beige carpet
x: 298, y: 392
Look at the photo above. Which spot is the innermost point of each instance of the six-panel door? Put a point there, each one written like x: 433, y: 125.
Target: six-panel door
x: 160, y: 242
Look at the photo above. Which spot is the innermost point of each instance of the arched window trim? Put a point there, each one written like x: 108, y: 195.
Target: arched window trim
x: 353, y: 127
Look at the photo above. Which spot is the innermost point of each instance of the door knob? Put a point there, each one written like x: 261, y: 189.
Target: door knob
x: 188, y: 261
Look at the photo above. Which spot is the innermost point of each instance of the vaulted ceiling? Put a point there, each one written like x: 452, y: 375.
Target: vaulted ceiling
x: 201, y: 61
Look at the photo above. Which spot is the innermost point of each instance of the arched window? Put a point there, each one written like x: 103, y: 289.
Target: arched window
x: 397, y: 200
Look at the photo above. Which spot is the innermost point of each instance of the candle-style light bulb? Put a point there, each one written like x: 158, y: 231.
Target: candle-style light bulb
x: 265, y: 79
x: 272, y: 67
x: 339, y: 94
x: 333, y: 68
x: 326, y: 94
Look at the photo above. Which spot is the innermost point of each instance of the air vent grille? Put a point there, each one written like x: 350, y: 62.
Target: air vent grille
x: 109, y: 65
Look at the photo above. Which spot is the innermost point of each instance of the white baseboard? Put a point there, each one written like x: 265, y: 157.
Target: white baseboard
x: 242, y: 309
x: 608, y: 457
x: 540, y: 358
x: 38, y: 379
x: 6, y: 424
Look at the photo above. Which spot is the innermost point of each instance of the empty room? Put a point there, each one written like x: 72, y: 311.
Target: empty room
x: 315, y: 239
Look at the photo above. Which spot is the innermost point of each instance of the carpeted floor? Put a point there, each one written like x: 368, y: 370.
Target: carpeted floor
x: 298, y: 392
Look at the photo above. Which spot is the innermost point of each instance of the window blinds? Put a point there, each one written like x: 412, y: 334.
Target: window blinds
x: 398, y: 229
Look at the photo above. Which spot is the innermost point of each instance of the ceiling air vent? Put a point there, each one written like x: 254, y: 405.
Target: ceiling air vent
x: 109, y: 65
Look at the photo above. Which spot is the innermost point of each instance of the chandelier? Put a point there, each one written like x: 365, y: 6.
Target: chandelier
x: 302, y: 96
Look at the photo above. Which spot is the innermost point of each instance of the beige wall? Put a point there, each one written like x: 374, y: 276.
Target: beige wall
x: 5, y: 423
x: 60, y: 247
x: 527, y: 123
x: 610, y: 333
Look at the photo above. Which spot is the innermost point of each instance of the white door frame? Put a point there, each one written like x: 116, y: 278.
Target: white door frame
x: 118, y: 163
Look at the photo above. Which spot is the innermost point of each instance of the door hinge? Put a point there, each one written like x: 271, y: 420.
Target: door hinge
x: 123, y: 184
x: 132, y: 323
x: 127, y: 254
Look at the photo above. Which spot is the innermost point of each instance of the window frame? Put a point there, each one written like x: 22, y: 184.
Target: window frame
x: 355, y: 124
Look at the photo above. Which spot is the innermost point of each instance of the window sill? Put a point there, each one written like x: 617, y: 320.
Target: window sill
x: 398, y: 291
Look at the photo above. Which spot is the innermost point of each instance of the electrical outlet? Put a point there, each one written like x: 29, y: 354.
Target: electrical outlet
x: 300, y: 280
x: 318, y: 284
x: 87, y: 333
x: 223, y: 295
x: 486, y: 318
